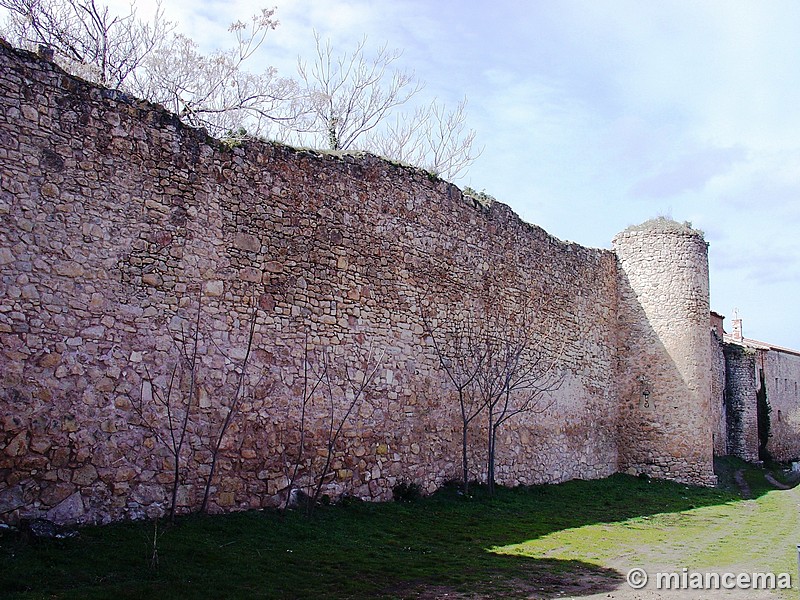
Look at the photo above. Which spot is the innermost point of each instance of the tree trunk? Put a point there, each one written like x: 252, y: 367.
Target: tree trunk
x: 490, y: 457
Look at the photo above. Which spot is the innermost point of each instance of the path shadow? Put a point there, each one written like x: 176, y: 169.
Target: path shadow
x: 538, y: 578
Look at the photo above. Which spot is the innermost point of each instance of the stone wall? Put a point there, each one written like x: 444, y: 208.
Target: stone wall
x: 666, y: 356
x: 741, y: 378
x: 136, y: 256
x: 119, y: 222
x: 782, y: 373
x: 719, y: 417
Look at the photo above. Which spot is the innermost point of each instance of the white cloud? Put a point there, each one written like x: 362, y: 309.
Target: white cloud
x: 690, y: 172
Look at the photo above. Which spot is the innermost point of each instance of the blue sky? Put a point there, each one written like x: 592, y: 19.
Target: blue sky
x: 596, y: 115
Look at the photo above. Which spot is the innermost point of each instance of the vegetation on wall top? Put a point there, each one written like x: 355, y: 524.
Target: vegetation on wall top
x: 667, y: 225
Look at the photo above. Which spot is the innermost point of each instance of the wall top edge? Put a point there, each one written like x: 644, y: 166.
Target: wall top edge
x: 252, y: 148
x: 660, y: 226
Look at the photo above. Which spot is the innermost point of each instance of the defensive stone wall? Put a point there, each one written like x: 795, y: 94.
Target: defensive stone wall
x: 664, y: 309
x: 137, y: 255
x: 741, y: 376
x: 781, y: 377
x: 719, y: 414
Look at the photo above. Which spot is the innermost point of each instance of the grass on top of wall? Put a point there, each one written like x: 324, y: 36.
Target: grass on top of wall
x: 443, y: 544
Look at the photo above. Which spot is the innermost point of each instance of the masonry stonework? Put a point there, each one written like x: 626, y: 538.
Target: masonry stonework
x: 666, y: 354
x: 719, y: 411
x: 782, y: 379
x: 127, y: 238
x: 742, y: 418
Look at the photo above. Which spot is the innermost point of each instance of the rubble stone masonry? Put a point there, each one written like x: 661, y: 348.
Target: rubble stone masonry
x: 666, y: 352
x: 782, y: 368
x: 742, y: 376
x: 127, y: 240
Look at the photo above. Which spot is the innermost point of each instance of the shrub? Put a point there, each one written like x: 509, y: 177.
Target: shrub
x: 406, y: 492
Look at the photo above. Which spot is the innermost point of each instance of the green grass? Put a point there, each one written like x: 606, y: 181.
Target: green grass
x: 537, y: 540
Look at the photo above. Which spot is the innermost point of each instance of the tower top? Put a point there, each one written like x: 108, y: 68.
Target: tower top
x: 663, y: 225
x: 736, y: 327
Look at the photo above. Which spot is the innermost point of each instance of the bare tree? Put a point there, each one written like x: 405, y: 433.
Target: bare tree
x: 353, y: 101
x: 217, y: 91
x: 175, y: 400
x: 311, y: 382
x: 518, y: 373
x: 433, y: 137
x: 166, y: 410
x: 149, y: 60
x: 456, y: 339
x: 87, y: 39
x: 347, y: 378
x: 358, y: 102
x: 335, y: 383
x: 500, y: 361
x: 231, y: 410
x: 350, y: 95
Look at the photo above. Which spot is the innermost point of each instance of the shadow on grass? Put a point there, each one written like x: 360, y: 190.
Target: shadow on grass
x: 435, y: 546
x: 517, y: 577
x: 752, y: 481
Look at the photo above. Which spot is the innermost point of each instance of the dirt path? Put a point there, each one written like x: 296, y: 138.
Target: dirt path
x: 754, y: 535
x: 775, y: 483
x: 682, y: 595
x: 748, y: 537
x: 742, y: 483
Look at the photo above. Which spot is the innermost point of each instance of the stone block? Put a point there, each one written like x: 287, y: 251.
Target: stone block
x: 146, y: 494
x: 49, y: 360
x: 69, y: 510
x: 18, y: 444
x: 85, y: 475
x: 56, y: 493
x: 152, y: 279
x: 94, y: 332
x: 248, y: 242
x: 69, y: 269
x: 214, y: 288
x: 250, y: 274
x: 11, y: 498
x: 276, y: 485
x: 69, y: 424
x: 226, y: 499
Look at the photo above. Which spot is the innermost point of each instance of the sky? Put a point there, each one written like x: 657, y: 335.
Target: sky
x: 599, y: 114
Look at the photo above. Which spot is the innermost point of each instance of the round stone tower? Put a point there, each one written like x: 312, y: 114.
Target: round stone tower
x: 665, y: 354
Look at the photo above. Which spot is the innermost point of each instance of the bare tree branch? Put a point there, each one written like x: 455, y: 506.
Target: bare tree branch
x: 349, y: 95
x: 177, y: 426
x: 351, y: 101
x: 232, y: 409
x: 312, y: 380
x: 455, y: 336
x: 433, y: 137
x: 499, y: 358
x: 344, y: 391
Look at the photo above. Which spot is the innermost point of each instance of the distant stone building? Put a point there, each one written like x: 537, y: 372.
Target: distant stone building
x: 759, y: 384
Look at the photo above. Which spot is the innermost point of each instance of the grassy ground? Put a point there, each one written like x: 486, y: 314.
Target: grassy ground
x: 757, y: 534
x: 545, y: 541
